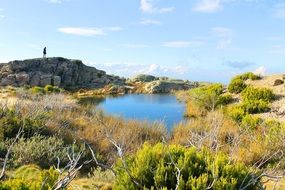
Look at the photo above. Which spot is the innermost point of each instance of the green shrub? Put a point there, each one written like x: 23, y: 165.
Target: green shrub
x: 250, y: 121
x: 255, y: 106
x: 48, y: 88
x: 11, y: 121
x: 209, y: 97
x: 236, y: 86
x: 31, y: 177
x: 236, y: 112
x: 248, y: 75
x: 155, y: 167
x: 37, y: 90
x: 224, y: 99
x: 51, y: 89
x: 39, y: 150
x: 251, y: 93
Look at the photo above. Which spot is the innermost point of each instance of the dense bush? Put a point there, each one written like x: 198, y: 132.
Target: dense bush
x: 37, y: 90
x: 39, y: 150
x: 248, y: 75
x: 256, y: 100
x: 51, y: 89
x: 46, y: 89
x: 236, y: 112
x: 236, y: 86
x: 30, y: 177
x: 155, y: 167
x: 251, y: 93
x: 255, y: 106
x: 250, y: 122
x: 209, y: 97
x: 11, y: 121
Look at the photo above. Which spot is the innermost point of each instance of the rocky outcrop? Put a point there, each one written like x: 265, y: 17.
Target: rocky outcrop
x: 143, y: 78
x: 57, y: 71
x: 167, y: 86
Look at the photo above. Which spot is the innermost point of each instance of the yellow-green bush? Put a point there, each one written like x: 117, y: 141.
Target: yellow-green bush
x: 51, y: 89
x: 236, y: 86
x: 37, y: 90
x: 236, y: 112
x: 30, y: 177
x: 155, y: 167
x: 39, y: 150
x: 248, y: 75
x: 209, y: 97
x: 46, y: 89
x: 251, y: 93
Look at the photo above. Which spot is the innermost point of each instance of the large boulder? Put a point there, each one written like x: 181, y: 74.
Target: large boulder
x: 167, y: 86
x: 57, y: 71
x: 144, y: 78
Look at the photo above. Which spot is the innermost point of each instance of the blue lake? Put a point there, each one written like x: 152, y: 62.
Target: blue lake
x: 151, y: 107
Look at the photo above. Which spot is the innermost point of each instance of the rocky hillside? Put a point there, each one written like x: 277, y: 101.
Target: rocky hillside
x: 57, y: 71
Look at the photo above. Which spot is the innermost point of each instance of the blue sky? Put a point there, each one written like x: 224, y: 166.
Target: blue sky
x: 204, y: 40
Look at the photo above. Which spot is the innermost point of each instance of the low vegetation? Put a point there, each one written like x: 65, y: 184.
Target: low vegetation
x: 237, y: 84
x: 50, y: 141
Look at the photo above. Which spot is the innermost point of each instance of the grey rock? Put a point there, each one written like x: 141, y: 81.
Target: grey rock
x: 143, y: 78
x: 56, y: 80
x: 57, y: 71
x: 167, y: 86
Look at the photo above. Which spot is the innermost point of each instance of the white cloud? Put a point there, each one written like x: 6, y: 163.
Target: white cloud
x: 134, y: 45
x: 147, y: 6
x: 279, y: 10
x: 82, y: 31
x: 131, y: 69
x: 115, y: 28
x: 260, y: 71
x: 88, y: 31
x: 182, y: 44
x: 150, y: 22
x: 208, y: 6
x: 224, y: 35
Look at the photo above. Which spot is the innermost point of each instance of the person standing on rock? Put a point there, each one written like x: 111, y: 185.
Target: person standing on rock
x: 44, y: 52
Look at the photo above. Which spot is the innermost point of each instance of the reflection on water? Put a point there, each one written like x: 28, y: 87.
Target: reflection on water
x: 154, y: 107
x: 95, y: 100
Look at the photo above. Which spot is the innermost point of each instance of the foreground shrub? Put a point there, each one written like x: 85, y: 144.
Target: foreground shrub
x: 31, y: 177
x: 11, y: 121
x: 39, y: 150
x: 156, y: 167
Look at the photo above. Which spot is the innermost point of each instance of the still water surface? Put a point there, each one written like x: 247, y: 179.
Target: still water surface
x: 151, y: 107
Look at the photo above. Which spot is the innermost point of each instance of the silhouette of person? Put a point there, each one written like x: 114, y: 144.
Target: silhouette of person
x: 44, y: 52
